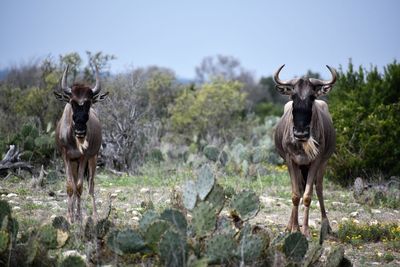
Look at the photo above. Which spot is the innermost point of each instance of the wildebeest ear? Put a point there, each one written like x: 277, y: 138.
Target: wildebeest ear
x: 100, y: 97
x: 284, y: 89
x: 61, y: 97
x: 323, y: 90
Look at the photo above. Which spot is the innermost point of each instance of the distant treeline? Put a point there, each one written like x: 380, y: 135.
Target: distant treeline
x: 150, y: 107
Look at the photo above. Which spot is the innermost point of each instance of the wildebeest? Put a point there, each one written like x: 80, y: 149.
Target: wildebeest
x: 305, y: 139
x: 78, y: 137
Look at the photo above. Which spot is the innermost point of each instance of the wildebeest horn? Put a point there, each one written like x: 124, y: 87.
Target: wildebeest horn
x: 322, y: 82
x: 279, y: 81
x: 96, y: 89
x: 64, y: 85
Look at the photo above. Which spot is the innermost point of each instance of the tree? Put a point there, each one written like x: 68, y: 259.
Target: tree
x: 214, y: 110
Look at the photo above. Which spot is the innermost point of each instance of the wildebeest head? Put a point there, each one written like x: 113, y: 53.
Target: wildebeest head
x: 81, y: 98
x: 303, y: 92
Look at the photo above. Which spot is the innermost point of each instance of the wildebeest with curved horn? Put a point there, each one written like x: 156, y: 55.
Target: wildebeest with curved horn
x: 305, y: 139
x: 78, y: 137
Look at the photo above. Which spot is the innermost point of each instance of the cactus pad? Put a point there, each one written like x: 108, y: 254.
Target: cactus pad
x: 216, y: 198
x: 175, y: 218
x: 313, y: 254
x: 205, y: 181
x: 4, y: 241
x: 126, y: 241
x: 204, y: 219
x: 246, y: 204
x: 148, y: 217
x: 295, y: 246
x: 5, y: 210
x: 173, y: 249
x: 335, y: 256
x: 61, y: 223
x: 211, y: 152
x: 154, y: 232
x: 254, y: 242
x: 73, y: 261
x: 220, y: 249
x: 189, y: 195
x: 48, y: 236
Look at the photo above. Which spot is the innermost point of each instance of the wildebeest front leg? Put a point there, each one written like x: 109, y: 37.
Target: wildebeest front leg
x: 319, y: 188
x: 92, y: 170
x: 308, y: 195
x: 295, y: 174
x: 70, y: 188
x: 79, y: 187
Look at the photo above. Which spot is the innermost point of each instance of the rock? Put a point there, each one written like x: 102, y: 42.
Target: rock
x: 68, y: 253
x: 135, y: 218
x: 135, y: 213
x: 373, y: 222
x: 10, y: 195
x: 353, y: 205
x: 334, y: 222
x: 144, y: 190
x: 374, y: 211
x: 16, y: 208
x: 356, y: 221
x: 354, y: 214
x: 113, y: 195
x: 337, y: 204
x: 118, y: 191
x: 344, y: 219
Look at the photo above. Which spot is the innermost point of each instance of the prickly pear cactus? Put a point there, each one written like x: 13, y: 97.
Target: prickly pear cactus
x: 253, y: 244
x: 173, y: 249
x: 4, y: 241
x: 220, y: 249
x: 211, y: 152
x: 189, y: 194
x: 225, y: 226
x: 335, y: 256
x: 48, y: 236
x: 259, y: 154
x: 216, y: 198
x: 203, y: 219
x: 61, y: 223
x: 313, y: 254
x: 175, y: 218
x: 5, y: 210
x: 148, y: 217
x: 102, y: 228
x: 126, y: 241
x: 154, y: 232
x: 295, y: 247
x: 205, y: 181
x: 246, y: 204
x: 73, y: 261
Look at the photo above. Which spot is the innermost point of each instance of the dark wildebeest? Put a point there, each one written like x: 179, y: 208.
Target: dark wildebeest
x: 78, y: 137
x: 305, y: 139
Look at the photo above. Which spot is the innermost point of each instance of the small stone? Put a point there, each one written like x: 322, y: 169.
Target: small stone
x: 353, y: 205
x: 103, y: 190
x: 337, y: 204
x: 73, y: 253
x: 10, y: 195
x: 135, y: 218
x: 356, y: 221
x: 334, y: 222
x: 354, y: 214
x: 118, y: 191
x: 16, y: 208
x: 374, y: 211
x: 113, y: 195
x: 144, y: 190
x: 135, y: 213
x: 344, y: 219
x: 373, y: 222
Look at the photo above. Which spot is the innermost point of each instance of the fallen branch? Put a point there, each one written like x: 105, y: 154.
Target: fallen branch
x: 12, y: 162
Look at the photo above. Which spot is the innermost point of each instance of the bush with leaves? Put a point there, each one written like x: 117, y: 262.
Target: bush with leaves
x: 365, y: 106
x: 215, y: 109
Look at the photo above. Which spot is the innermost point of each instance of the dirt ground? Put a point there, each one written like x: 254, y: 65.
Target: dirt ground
x: 40, y: 205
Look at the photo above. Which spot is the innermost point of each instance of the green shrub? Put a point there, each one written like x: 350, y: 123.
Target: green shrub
x: 365, y: 107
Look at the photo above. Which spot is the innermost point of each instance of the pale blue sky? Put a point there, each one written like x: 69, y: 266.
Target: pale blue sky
x: 177, y: 34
